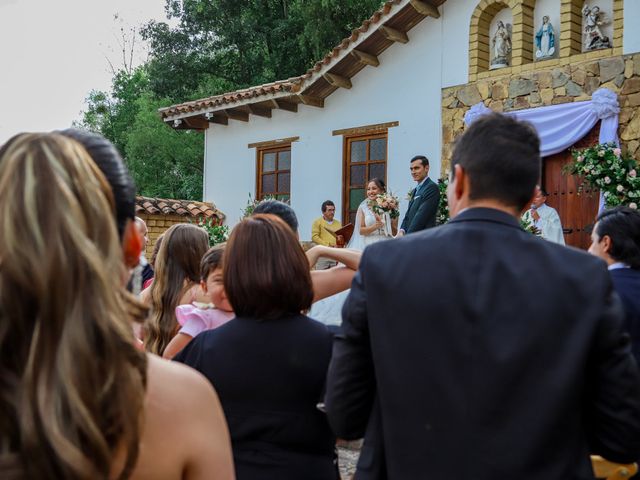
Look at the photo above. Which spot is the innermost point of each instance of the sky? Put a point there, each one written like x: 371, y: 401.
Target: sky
x: 54, y: 52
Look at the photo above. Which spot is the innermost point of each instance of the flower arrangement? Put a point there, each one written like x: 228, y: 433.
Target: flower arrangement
x: 386, y: 203
x: 217, y: 233
x: 605, y: 168
x: 526, y: 223
x: 442, y: 215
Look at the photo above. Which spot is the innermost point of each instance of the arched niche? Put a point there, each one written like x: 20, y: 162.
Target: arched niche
x: 572, y: 24
x: 479, y: 33
x: 551, y: 9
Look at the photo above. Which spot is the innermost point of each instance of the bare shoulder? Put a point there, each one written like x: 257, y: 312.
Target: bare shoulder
x: 185, y: 434
x: 170, y: 380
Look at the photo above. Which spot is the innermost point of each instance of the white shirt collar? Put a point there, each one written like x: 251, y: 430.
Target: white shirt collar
x: 618, y: 266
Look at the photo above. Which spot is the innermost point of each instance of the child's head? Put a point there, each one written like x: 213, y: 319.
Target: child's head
x: 211, y: 277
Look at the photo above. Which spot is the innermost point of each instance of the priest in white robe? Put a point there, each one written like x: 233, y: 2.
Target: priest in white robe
x: 545, y: 218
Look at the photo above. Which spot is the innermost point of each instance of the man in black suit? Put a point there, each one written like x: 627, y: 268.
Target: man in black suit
x: 616, y: 239
x: 423, y: 203
x: 478, y: 351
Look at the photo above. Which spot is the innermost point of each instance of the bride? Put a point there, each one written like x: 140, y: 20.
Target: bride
x: 369, y: 228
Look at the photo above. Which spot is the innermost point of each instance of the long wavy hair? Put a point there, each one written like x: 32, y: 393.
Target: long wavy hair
x: 72, y: 384
x: 177, y: 268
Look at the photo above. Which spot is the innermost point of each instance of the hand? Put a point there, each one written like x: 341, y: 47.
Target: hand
x: 400, y: 234
x: 379, y: 224
x: 535, y: 215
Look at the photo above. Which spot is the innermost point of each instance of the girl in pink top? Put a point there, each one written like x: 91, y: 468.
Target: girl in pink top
x: 198, y: 317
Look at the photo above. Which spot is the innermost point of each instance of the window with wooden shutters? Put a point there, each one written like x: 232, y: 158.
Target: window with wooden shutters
x: 365, y: 158
x: 274, y: 173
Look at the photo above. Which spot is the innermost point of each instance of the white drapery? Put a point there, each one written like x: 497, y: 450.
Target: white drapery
x: 561, y: 126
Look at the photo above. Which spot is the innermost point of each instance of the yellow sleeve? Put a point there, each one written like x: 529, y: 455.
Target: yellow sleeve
x: 316, y: 233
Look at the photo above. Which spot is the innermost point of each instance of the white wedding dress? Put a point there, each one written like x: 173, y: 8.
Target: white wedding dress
x: 329, y: 310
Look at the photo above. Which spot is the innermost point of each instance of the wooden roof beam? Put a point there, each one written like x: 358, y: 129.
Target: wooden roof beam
x: 260, y: 111
x: 337, y: 80
x: 425, y: 8
x: 394, y: 35
x: 365, y: 58
x: 237, y: 115
x: 312, y: 101
x: 198, y: 123
x: 284, y: 105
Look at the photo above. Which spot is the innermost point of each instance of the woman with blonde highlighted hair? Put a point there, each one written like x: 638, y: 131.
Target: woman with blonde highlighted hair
x: 77, y: 399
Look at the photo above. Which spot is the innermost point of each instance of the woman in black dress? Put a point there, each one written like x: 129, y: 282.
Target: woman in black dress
x: 269, y: 364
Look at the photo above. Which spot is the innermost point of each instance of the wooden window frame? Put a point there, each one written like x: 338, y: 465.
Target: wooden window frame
x: 346, y: 165
x: 260, y: 152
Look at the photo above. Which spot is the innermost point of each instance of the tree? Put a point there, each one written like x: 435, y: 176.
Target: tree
x: 164, y: 162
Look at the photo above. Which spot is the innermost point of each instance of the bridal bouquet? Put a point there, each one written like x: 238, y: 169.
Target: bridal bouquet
x: 386, y: 203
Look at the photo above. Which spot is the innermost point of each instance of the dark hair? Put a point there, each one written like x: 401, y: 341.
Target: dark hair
x: 109, y: 161
x: 501, y: 155
x: 279, y: 209
x: 177, y: 264
x: 327, y: 203
x: 379, y: 183
x: 266, y: 273
x: 211, y: 261
x: 622, y: 225
x: 543, y: 192
x: 422, y: 158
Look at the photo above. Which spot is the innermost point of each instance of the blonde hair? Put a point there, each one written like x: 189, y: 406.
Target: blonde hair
x: 72, y: 383
x: 177, y: 268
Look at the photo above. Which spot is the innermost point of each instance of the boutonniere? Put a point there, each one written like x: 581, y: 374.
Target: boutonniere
x: 410, y: 194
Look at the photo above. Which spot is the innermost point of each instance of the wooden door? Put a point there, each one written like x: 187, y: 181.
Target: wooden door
x: 574, y: 200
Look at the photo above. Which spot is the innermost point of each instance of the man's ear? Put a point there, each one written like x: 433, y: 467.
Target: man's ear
x: 131, y: 244
x: 460, y: 181
x: 606, y: 244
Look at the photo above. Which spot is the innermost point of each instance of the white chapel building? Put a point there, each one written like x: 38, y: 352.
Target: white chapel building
x: 401, y: 85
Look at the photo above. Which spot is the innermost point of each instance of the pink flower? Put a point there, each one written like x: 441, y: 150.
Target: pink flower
x: 633, y: 173
x: 580, y: 158
x: 617, y: 152
x: 607, y: 180
x: 620, y: 188
x: 633, y: 205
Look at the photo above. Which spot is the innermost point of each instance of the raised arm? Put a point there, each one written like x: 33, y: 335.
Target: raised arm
x: 350, y: 258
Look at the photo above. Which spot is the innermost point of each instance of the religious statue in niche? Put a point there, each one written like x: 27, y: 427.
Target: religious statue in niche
x: 545, y: 40
x: 593, y: 39
x: 501, y: 46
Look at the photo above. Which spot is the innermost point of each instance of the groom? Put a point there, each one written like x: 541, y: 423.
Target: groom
x: 423, y: 200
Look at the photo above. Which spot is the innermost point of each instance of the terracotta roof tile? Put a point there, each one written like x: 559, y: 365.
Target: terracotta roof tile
x: 292, y: 85
x: 184, y: 208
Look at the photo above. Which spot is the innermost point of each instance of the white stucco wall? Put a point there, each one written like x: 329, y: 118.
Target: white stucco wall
x: 406, y: 87
x: 631, y: 38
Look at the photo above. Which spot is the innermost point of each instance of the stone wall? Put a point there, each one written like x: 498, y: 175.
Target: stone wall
x: 558, y: 84
x: 158, y: 224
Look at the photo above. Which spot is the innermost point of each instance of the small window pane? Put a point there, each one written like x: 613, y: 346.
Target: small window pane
x: 284, y: 160
x: 356, y: 196
x: 284, y: 180
x: 358, y: 174
x: 283, y: 198
x: 268, y: 184
x: 376, y: 170
x: 359, y: 151
x: 378, y: 149
x: 269, y: 162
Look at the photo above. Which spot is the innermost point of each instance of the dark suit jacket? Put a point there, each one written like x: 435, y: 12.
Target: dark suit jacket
x: 423, y: 207
x: 270, y: 375
x: 507, y: 360
x: 627, y: 284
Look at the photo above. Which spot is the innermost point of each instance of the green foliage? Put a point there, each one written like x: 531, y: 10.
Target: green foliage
x: 606, y: 169
x: 217, y: 233
x: 442, y: 215
x: 252, y: 203
x: 165, y: 162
